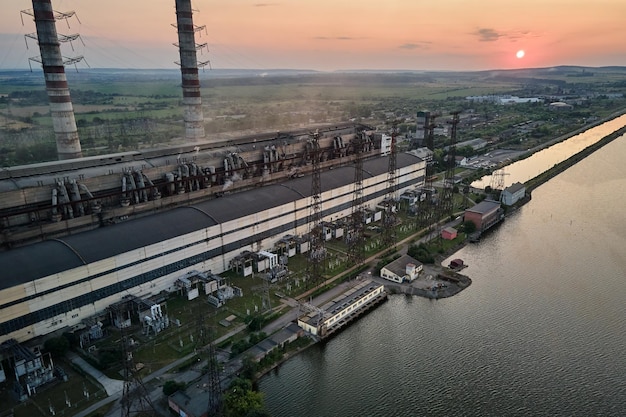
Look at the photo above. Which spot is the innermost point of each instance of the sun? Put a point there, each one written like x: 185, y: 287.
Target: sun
x: 520, y: 54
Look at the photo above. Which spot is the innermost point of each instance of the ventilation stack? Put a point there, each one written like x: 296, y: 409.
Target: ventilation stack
x: 194, y: 128
x: 61, y: 110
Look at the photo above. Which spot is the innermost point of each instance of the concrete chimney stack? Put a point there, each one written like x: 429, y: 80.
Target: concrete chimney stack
x: 194, y: 128
x: 68, y: 144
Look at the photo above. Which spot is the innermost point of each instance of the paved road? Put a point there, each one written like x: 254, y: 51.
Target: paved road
x: 155, y: 377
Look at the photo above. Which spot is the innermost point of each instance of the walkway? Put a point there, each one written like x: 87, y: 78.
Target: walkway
x: 114, y: 395
x: 111, y: 386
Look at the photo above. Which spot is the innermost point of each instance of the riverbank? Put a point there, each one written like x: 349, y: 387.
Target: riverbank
x: 435, y: 282
x: 572, y: 160
x: 565, y: 137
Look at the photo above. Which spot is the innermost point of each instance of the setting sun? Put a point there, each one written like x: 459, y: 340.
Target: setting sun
x: 520, y: 54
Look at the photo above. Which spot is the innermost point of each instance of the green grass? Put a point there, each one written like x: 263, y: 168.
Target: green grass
x: 54, y: 394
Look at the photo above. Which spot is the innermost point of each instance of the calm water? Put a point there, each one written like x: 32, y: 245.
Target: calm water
x: 540, y: 332
x: 545, y: 159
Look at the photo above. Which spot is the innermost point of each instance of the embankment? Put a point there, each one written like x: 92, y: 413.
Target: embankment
x: 562, y: 166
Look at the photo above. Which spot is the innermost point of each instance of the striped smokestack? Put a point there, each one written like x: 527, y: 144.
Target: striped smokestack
x: 68, y: 144
x: 194, y: 128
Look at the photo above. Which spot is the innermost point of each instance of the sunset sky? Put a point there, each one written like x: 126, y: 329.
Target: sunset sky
x: 335, y: 34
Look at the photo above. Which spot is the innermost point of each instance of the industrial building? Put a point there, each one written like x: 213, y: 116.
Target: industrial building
x: 325, y: 320
x: 484, y: 214
x: 512, y: 194
x: 403, y: 269
x: 56, y: 283
x: 82, y: 234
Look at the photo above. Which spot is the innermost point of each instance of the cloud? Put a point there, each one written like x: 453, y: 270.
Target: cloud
x: 336, y: 38
x: 411, y: 46
x: 265, y: 4
x: 491, y: 35
x: 487, y: 35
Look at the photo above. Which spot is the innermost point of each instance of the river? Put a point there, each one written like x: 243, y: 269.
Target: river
x: 541, y: 331
x: 545, y: 159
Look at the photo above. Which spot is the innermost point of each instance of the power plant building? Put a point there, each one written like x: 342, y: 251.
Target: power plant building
x: 49, y: 285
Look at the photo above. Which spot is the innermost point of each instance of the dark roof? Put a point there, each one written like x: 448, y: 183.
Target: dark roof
x: 38, y: 260
x: 484, y: 207
x: 398, y: 266
x: 514, y: 188
x: 193, y: 400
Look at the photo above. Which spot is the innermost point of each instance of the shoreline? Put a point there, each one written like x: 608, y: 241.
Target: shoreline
x: 530, y: 152
x: 464, y: 280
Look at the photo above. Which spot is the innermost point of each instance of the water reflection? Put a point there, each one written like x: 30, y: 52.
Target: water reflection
x: 524, y: 170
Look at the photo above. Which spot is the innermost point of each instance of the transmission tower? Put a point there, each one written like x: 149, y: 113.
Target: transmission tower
x: 446, y: 198
x: 425, y: 207
x: 498, y: 180
x: 317, y: 252
x: 356, y: 238
x: 389, y: 216
x: 204, y: 345
x: 135, y: 397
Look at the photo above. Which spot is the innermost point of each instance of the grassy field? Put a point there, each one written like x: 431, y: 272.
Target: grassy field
x: 66, y: 398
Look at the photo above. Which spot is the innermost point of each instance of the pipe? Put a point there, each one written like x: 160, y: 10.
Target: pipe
x: 75, y: 197
x: 64, y: 200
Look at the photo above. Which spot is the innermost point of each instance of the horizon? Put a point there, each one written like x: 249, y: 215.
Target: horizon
x: 328, y: 37
x: 316, y: 71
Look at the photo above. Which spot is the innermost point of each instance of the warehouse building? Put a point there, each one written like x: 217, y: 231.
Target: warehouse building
x: 484, y: 214
x: 57, y: 283
x: 323, y: 321
x: 512, y: 194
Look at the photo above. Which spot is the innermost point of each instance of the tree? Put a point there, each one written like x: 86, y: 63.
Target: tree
x: 469, y: 226
x: 57, y: 346
x: 249, y: 367
x: 240, y: 399
x: 171, y: 387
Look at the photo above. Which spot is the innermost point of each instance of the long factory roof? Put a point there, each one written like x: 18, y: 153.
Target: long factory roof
x: 38, y: 260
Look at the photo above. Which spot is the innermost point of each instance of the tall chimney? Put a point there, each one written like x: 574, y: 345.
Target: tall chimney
x: 68, y: 144
x: 194, y: 128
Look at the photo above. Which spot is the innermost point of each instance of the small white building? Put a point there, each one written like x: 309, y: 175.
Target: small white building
x: 403, y: 269
x: 512, y: 194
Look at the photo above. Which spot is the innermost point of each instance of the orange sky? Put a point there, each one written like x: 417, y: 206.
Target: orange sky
x: 337, y: 34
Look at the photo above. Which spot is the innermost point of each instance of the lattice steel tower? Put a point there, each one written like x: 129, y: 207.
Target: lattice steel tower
x: 204, y: 344
x: 317, y: 253
x: 446, y: 198
x: 356, y: 238
x: 426, y: 209
x: 389, y: 215
x: 135, y: 397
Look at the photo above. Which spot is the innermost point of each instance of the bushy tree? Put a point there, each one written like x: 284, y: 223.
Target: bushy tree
x: 240, y: 400
x: 421, y: 253
x: 469, y: 226
x: 171, y: 387
x: 57, y: 346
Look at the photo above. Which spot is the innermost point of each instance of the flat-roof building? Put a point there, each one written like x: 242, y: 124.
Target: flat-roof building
x: 56, y: 283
